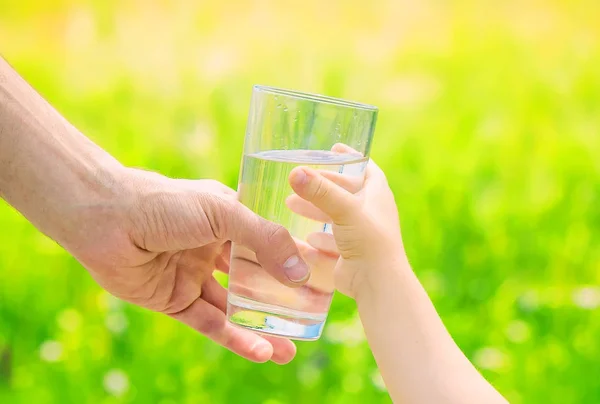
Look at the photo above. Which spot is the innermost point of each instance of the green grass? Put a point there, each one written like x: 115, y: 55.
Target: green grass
x: 489, y: 131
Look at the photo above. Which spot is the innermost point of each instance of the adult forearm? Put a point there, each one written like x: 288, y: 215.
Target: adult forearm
x: 418, y: 359
x: 48, y: 169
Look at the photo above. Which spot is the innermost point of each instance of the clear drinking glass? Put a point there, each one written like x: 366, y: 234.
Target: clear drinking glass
x: 287, y: 129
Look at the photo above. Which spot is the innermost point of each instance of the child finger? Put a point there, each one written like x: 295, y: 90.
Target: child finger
x: 350, y: 183
x: 306, y: 209
x: 330, y: 198
x: 324, y: 242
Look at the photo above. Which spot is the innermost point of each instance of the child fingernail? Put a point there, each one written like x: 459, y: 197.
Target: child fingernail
x: 299, y: 177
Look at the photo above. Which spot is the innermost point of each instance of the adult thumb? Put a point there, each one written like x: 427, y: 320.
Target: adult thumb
x: 272, y: 244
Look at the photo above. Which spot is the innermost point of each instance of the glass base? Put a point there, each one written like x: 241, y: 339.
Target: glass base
x: 274, y: 320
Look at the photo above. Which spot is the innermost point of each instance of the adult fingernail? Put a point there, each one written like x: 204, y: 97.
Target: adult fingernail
x: 263, y: 351
x: 295, y: 269
x: 299, y: 176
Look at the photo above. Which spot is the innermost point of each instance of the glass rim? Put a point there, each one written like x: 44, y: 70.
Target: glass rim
x: 315, y: 97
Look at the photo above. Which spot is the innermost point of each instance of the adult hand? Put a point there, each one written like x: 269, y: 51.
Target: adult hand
x: 147, y: 239
x: 158, y: 240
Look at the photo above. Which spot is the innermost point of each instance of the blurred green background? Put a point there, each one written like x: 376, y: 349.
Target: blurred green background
x: 489, y: 131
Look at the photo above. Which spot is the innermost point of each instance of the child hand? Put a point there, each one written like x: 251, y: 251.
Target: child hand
x: 365, y: 223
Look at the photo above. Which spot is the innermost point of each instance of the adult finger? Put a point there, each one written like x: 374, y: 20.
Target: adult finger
x: 284, y: 350
x: 211, y: 322
x: 216, y: 295
x: 274, y: 247
x: 223, y: 261
x: 330, y: 198
x: 222, y: 265
x: 321, y: 265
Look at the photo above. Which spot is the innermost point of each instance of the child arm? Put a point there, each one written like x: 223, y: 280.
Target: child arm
x: 418, y: 360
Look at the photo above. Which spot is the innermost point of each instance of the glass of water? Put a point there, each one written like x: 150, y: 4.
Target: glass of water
x: 287, y: 129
